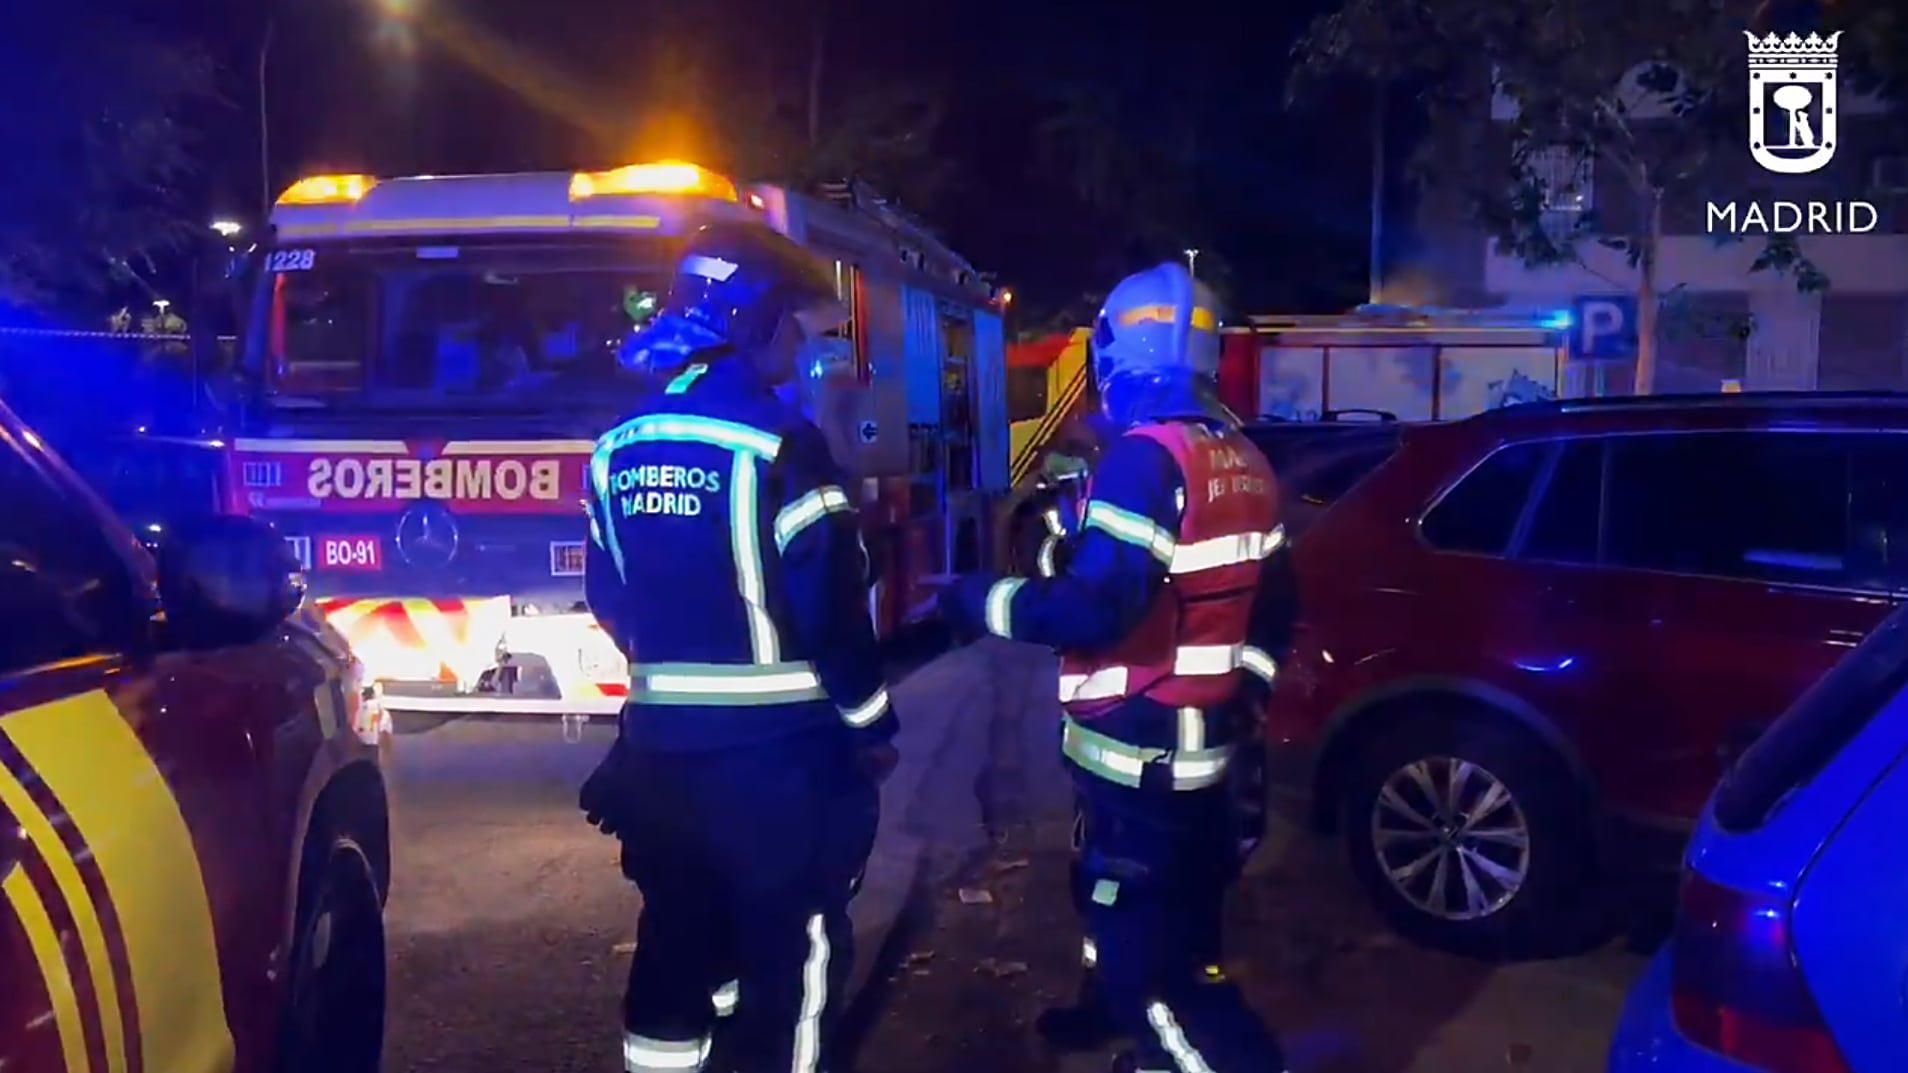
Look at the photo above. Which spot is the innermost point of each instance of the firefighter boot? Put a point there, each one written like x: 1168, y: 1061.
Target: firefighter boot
x: 1081, y: 1026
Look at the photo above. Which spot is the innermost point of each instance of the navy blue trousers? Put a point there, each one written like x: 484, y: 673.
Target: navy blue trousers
x: 746, y: 860
x: 1150, y: 881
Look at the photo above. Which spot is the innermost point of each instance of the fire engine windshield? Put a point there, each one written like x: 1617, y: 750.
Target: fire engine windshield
x: 422, y: 325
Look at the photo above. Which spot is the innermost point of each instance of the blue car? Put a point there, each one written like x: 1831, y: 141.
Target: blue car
x: 1790, y: 953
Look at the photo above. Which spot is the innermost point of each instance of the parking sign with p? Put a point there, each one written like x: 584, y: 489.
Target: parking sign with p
x: 1603, y: 328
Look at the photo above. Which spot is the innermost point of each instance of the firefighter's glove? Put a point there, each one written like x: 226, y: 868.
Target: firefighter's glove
x: 604, y: 794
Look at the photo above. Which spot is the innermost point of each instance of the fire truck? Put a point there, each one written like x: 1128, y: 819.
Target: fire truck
x: 1413, y: 364
x: 430, y: 359
x: 1390, y: 362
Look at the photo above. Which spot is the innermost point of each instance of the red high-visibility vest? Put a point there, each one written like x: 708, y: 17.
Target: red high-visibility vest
x: 1187, y: 650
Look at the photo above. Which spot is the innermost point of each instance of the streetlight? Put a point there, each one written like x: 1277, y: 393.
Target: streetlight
x: 398, y: 15
x: 1192, y: 261
x: 229, y: 230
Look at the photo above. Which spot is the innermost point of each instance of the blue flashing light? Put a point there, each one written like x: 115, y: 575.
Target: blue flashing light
x: 1560, y: 321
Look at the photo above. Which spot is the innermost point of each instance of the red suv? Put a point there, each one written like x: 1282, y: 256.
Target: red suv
x: 1528, y: 641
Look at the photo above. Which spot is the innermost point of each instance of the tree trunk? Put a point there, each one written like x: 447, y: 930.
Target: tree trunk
x: 817, y: 63
x: 1648, y: 296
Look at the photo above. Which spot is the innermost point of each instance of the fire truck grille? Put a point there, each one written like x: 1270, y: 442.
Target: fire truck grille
x: 472, y: 555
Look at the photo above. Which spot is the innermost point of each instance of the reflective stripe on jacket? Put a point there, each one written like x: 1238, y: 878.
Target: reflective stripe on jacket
x: 1189, y: 649
x: 726, y: 561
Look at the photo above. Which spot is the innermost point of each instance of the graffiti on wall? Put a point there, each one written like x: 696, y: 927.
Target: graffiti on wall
x: 1519, y: 388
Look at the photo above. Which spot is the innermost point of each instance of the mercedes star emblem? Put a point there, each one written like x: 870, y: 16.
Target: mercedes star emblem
x: 427, y: 535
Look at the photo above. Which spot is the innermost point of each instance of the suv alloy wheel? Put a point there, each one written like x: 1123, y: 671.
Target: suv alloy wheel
x: 1468, y: 834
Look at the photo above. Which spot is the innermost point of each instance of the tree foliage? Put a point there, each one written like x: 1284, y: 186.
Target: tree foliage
x: 886, y: 137
x: 1197, y: 152
x: 1877, y: 41
x: 761, y: 98
x: 92, y: 182
x: 1131, y: 153
x: 1647, y: 91
x: 748, y: 92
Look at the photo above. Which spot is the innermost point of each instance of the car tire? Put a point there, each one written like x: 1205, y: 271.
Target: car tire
x: 333, y: 1016
x: 1497, y: 901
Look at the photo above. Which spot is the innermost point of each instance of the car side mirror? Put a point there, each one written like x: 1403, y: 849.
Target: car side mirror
x: 226, y: 580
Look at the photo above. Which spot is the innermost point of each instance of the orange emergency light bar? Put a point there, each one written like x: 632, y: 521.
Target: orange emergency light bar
x: 661, y: 177
x: 328, y: 190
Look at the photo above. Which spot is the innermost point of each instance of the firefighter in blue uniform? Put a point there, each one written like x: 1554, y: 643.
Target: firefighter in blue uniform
x: 1153, y: 615
x: 726, y: 562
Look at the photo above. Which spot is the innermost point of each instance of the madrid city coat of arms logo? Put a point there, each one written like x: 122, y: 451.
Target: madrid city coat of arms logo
x: 1792, y: 113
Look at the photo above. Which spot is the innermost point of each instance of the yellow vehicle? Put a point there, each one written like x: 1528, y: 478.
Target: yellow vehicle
x: 1046, y: 382
x: 1049, y: 387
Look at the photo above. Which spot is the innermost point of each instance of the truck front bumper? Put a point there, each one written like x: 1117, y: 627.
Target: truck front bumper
x: 432, y: 698
x: 541, y: 665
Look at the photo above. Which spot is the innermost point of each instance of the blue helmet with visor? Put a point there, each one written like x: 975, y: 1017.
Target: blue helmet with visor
x: 735, y: 285
x: 1156, y: 349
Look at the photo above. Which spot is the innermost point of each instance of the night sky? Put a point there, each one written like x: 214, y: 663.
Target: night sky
x: 1276, y: 200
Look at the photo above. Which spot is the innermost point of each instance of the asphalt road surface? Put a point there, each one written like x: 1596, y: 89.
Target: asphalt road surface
x: 510, y: 926
x: 507, y: 910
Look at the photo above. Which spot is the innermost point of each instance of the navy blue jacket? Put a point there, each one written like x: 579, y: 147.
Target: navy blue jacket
x: 726, y: 561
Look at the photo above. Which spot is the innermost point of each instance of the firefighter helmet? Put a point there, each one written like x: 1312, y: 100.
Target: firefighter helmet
x: 735, y: 286
x: 1156, y: 349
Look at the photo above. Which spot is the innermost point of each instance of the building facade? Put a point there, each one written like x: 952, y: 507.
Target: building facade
x: 1721, y: 321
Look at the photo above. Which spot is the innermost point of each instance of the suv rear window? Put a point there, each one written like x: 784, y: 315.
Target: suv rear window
x: 1769, y: 506
x: 1564, y: 524
x: 1820, y: 723
x: 1480, y: 512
